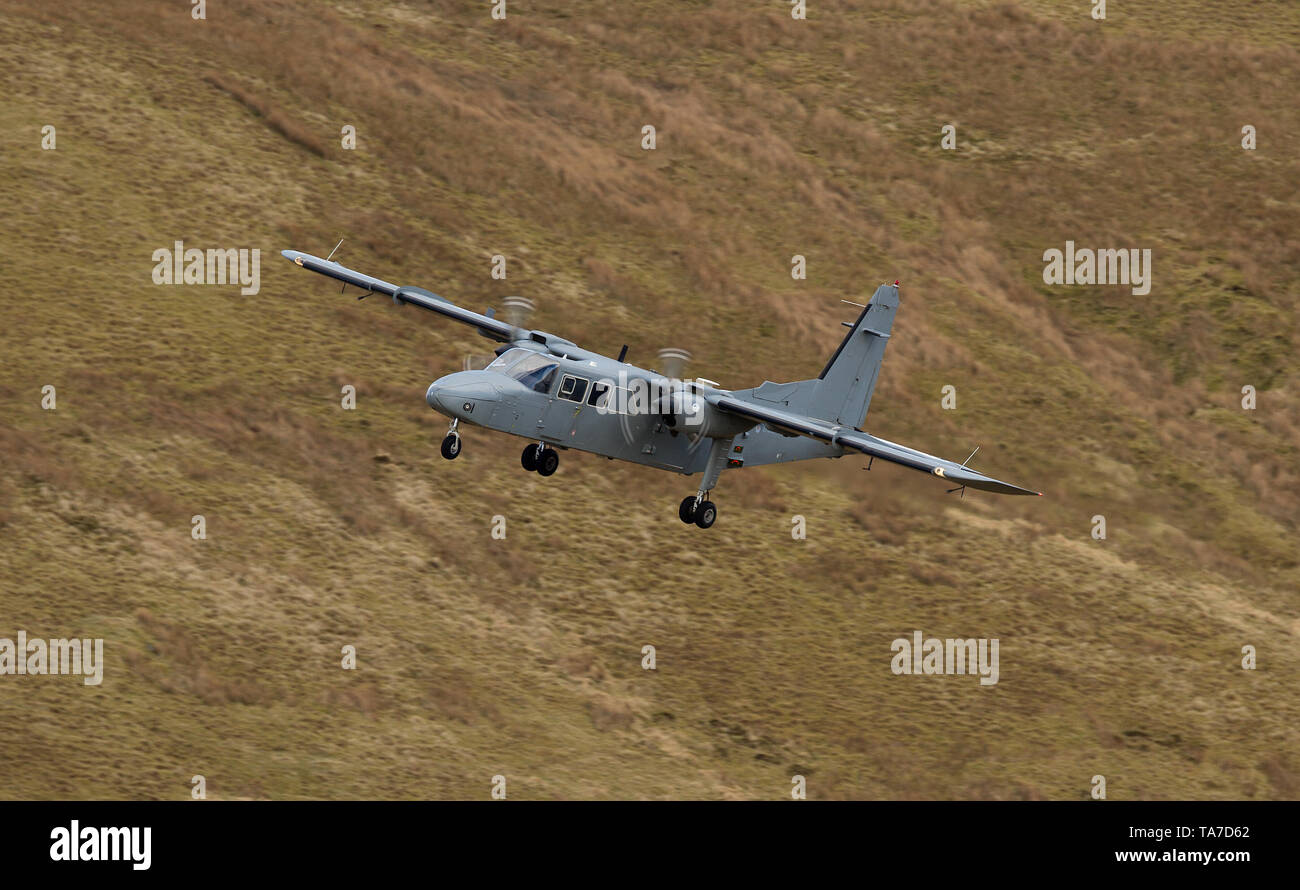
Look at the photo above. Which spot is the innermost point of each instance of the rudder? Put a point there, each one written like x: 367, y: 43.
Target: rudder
x: 842, y: 393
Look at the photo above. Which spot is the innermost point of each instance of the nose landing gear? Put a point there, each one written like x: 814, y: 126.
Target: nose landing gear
x: 451, y: 444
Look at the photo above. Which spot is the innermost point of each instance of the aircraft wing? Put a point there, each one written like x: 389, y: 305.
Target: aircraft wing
x: 866, y: 443
x: 490, y: 327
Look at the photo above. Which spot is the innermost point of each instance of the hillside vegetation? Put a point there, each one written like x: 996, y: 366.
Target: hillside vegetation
x: 522, y: 657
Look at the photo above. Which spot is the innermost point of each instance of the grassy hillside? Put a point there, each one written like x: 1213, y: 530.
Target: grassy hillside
x: 522, y: 656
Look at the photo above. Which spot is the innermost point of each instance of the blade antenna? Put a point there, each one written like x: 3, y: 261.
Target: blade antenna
x: 344, y: 288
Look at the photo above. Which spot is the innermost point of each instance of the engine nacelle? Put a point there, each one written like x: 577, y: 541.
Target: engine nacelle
x: 683, y: 407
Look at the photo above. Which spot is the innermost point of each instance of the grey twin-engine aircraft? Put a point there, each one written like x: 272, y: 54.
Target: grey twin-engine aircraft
x: 549, y: 390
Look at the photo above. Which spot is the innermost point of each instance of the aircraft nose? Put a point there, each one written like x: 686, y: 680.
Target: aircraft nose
x: 458, y: 395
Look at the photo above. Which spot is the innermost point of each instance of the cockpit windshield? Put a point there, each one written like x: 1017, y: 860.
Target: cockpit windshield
x: 508, y: 358
x: 535, y: 372
x: 532, y: 369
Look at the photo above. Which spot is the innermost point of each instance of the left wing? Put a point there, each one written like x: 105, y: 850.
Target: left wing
x: 864, y: 442
x: 488, y: 326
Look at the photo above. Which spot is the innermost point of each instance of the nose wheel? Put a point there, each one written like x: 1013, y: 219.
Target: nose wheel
x: 541, y: 459
x: 451, y: 444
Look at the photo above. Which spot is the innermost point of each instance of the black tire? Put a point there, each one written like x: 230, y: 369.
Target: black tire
x: 528, y: 460
x: 451, y: 446
x: 686, y: 512
x: 548, y: 462
x: 705, y: 514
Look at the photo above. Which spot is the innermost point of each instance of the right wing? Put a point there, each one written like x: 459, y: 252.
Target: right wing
x: 490, y: 327
x: 864, y: 442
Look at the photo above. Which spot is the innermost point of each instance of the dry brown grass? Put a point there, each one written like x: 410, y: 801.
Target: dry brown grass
x: 775, y: 138
x: 276, y: 118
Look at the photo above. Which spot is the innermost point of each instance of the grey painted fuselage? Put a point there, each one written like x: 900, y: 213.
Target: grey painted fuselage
x: 493, y: 399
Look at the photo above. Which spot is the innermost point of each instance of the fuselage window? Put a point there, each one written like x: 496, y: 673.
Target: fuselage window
x: 573, y: 388
x: 598, y: 393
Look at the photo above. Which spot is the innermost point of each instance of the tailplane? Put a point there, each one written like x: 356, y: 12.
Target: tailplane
x: 842, y: 392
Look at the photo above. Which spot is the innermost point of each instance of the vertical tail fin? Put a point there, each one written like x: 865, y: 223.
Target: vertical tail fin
x: 843, y: 391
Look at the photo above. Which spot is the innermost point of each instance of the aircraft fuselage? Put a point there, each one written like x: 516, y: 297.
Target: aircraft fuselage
x: 577, y: 404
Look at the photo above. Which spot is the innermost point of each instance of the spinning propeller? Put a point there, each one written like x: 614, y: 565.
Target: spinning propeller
x: 673, y: 362
x: 518, y: 311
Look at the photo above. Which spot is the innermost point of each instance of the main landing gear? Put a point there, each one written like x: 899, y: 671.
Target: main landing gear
x: 451, y: 444
x: 695, y: 509
x: 540, y: 458
x: 698, y: 508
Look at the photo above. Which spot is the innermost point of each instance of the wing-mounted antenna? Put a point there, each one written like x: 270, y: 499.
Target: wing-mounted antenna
x: 345, y: 284
x: 344, y: 288
x: 962, y: 488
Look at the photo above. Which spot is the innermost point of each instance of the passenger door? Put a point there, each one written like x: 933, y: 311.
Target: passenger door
x: 560, y: 417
